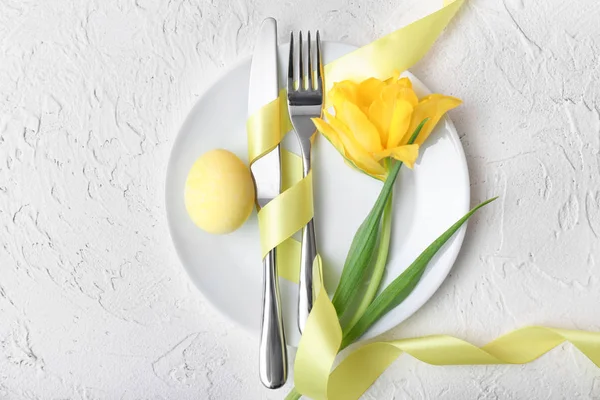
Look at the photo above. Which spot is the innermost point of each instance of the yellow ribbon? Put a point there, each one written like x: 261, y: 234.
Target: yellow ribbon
x: 277, y: 223
x: 316, y: 356
x: 360, y: 369
x: 397, y: 51
x: 290, y: 211
x: 293, y: 208
x: 263, y: 130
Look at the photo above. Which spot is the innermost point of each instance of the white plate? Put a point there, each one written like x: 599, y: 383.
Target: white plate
x: 228, y: 269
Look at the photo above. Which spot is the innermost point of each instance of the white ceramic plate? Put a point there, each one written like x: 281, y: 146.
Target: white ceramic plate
x: 228, y: 269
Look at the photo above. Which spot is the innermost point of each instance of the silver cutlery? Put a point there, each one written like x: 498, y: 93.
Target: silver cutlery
x: 266, y: 172
x: 305, y: 102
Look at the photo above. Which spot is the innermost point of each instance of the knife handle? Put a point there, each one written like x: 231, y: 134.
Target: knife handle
x: 272, y: 350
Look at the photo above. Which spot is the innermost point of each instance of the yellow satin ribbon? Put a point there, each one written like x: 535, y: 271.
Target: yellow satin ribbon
x: 293, y: 208
x: 397, y: 51
x: 290, y: 211
x: 360, y: 369
x: 325, y: 334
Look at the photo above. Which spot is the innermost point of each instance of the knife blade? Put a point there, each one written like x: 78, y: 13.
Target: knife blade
x: 266, y: 172
x: 263, y: 89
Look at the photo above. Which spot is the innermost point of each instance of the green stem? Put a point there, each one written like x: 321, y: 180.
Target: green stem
x: 380, y: 262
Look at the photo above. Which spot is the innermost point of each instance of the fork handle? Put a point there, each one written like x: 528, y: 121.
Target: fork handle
x: 308, y: 249
x: 272, y: 349
x: 309, y: 252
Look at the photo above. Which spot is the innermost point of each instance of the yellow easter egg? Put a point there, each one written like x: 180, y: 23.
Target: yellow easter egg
x: 219, y: 192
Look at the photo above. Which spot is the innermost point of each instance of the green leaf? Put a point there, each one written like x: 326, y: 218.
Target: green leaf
x: 385, y: 233
x: 404, y: 284
x: 365, y: 239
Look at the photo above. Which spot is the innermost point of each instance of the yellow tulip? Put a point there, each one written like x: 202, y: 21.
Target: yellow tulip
x: 373, y: 120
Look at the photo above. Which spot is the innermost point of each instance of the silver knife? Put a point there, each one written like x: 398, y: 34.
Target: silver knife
x: 266, y: 171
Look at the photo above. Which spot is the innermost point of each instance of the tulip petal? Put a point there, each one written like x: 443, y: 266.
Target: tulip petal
x: 405, y: 82
x: 381, y: 176
x: 409, y: 95
x: 399, y: 123
x: 433, y: 107
x: 364, y: 131
x: 341, y: 92
x: 354, y: 152
x: 368, y: 91
x: 330, y: 134
x: 400, y: 90
x: 388, y: 94
x: 380, y: 114
x: 408, y: 154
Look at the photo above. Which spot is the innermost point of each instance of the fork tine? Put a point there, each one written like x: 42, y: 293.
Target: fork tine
x: 290, y: 85
x: 319, y: 64
x: 300, y: 64
x: 310, y: 65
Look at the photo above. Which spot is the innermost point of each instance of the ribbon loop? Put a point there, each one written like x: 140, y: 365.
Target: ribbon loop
x: 286, y: 214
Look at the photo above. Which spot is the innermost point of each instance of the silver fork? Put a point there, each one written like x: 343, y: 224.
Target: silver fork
x: 304, y: 103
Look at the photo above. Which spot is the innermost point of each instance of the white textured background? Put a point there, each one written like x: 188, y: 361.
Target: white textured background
x: 93, y: 301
